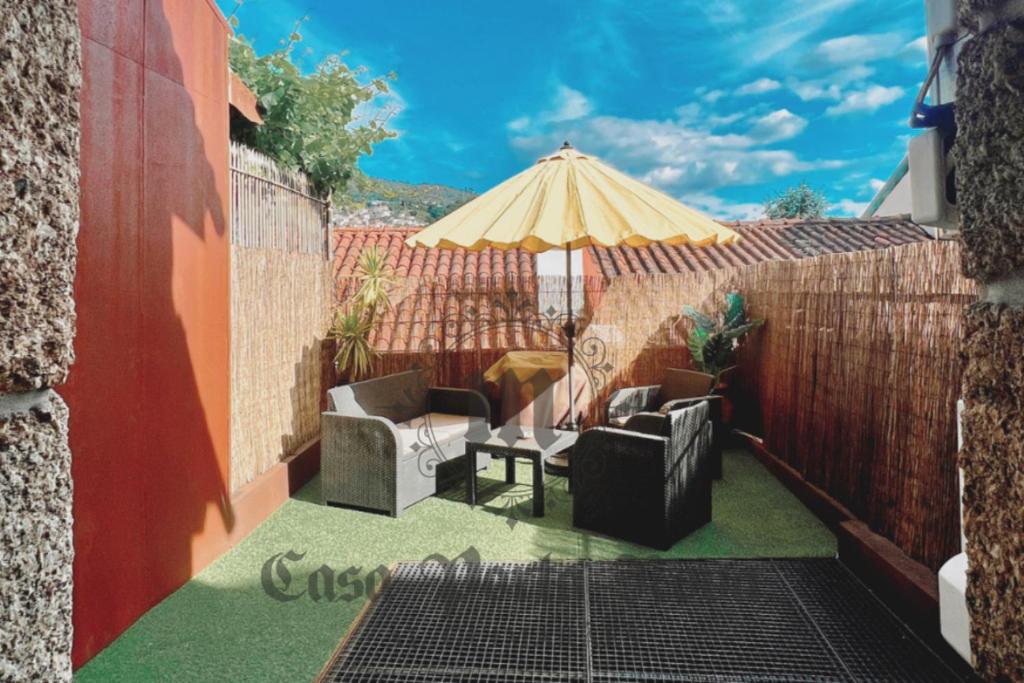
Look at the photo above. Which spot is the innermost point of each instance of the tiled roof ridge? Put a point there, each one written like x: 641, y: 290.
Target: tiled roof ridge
x: 902, y: 219
x: 845, y: 221
x: 762, y: 240
x: 379, y: 228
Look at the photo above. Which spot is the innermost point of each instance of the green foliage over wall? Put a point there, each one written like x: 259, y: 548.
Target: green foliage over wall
x: 311, y: 121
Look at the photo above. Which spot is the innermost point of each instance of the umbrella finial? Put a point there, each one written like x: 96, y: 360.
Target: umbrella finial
x: 566, y: 145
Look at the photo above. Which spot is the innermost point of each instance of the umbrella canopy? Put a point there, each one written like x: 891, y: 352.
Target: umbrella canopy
x: 570, y: 200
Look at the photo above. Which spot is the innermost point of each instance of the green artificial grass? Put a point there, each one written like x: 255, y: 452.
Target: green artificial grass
x: 223, y: 626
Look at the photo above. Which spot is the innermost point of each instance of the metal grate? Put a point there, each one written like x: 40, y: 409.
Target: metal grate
x: 472, y: 622
x: 701, y: 621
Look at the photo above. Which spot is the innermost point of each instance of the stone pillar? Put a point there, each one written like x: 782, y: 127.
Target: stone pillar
x: 40, y: 76
x: 989, y: 157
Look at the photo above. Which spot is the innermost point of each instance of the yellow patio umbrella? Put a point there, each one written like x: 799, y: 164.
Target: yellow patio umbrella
x: 569, y: 200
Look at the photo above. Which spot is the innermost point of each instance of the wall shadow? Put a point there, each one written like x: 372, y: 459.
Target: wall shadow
x: 149, y: 395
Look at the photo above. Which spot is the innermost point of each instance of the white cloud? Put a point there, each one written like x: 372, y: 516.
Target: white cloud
x: 663, y: 176
x: 722, y: 12
x: 519, y: 124
x: 868, y: 100
x: 717, y: 120
x: 778, y: 125
x: 830, y: 88
x: 848, y: 207
x: 677, y: 155
x: 761, y: 85
x: 795, y: 21
x: 916, y: 51
x: 877, y: 184
x: 569, y: 105
x: 689, y: 113
x: 859, y: 49
x: 811, y: 90
x: 716, y: 207
x: 712, y: 96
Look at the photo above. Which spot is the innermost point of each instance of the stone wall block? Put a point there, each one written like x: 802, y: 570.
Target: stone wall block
x: 989, y: 152
x: 36, y: 550
x: 40, y: 76
x: 993, y: 462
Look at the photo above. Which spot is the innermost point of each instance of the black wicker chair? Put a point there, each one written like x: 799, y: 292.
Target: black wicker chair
x: 679, y: 389
x: 649, y: 483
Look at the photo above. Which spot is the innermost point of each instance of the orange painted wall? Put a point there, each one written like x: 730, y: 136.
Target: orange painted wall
x: 149, y: 391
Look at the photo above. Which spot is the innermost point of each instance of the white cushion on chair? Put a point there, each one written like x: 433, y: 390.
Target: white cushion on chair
x: 433, y: 427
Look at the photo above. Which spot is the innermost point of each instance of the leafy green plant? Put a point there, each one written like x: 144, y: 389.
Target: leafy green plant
x: 376, y: 279
x: 801, y: 201
x: 355, y: 319
x: 311, y: 121
x: 351, y: 330
x: 713, y: 341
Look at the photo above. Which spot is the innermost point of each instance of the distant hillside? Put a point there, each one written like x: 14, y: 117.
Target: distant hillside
x: 376, y: 201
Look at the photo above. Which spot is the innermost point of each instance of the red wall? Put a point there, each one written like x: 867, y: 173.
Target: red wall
x: 149, y: 392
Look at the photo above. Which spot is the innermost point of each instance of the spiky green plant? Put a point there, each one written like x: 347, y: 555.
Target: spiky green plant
x: 351, y: 330
x: 713, y: 341
x: 356, y: 318
x: 377, y: 278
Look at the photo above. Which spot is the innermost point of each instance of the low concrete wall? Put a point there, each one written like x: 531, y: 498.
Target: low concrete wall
x: 40, y: 76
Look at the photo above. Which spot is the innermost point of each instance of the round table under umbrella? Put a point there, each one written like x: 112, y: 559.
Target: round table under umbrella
x: 570, y: 200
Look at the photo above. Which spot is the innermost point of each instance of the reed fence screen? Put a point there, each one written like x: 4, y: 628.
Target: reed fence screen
x: 282, y: 295
x: 274, y: 208
x: 853, y: 379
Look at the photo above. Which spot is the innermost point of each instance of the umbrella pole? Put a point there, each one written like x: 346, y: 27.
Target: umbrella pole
x: 570, y: 335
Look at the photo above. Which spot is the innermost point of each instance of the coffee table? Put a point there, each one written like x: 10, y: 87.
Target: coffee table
x: 533, y: 446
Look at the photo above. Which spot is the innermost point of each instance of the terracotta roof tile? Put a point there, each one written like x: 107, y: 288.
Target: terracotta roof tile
x: 763, y: 240
x: 417, y: 311
x: 440, y: 264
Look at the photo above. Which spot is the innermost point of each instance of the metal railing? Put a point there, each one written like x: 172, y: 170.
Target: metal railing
x: 273, y: 208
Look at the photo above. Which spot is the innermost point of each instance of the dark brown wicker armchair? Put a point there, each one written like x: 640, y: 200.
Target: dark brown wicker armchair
x: 679, y: 389
x: 649, y: 483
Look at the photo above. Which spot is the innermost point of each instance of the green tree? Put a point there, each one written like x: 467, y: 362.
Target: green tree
x: 310, y: 120
x: 801, y: 201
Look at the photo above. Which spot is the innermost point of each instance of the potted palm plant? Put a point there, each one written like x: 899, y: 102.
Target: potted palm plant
x: 713, y: 340
x: 355, y: 319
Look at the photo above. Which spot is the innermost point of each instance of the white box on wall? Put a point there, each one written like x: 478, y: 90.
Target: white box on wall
x: 929, y: 205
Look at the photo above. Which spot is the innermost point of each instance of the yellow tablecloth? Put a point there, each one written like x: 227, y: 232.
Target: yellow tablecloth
x: 532, y: 387
x: 526, y: 364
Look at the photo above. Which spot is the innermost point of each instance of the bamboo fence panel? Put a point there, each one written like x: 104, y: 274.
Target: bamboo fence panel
x: 280, y: 362
x: 274, y: 208
x: 855, y: 378
x: 282, y: 296
x: 852, y: 381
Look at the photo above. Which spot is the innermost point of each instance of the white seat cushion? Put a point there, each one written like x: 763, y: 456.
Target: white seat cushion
x: 433, y: 427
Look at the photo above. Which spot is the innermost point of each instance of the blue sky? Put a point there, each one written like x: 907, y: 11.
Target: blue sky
x: 719, y: 103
